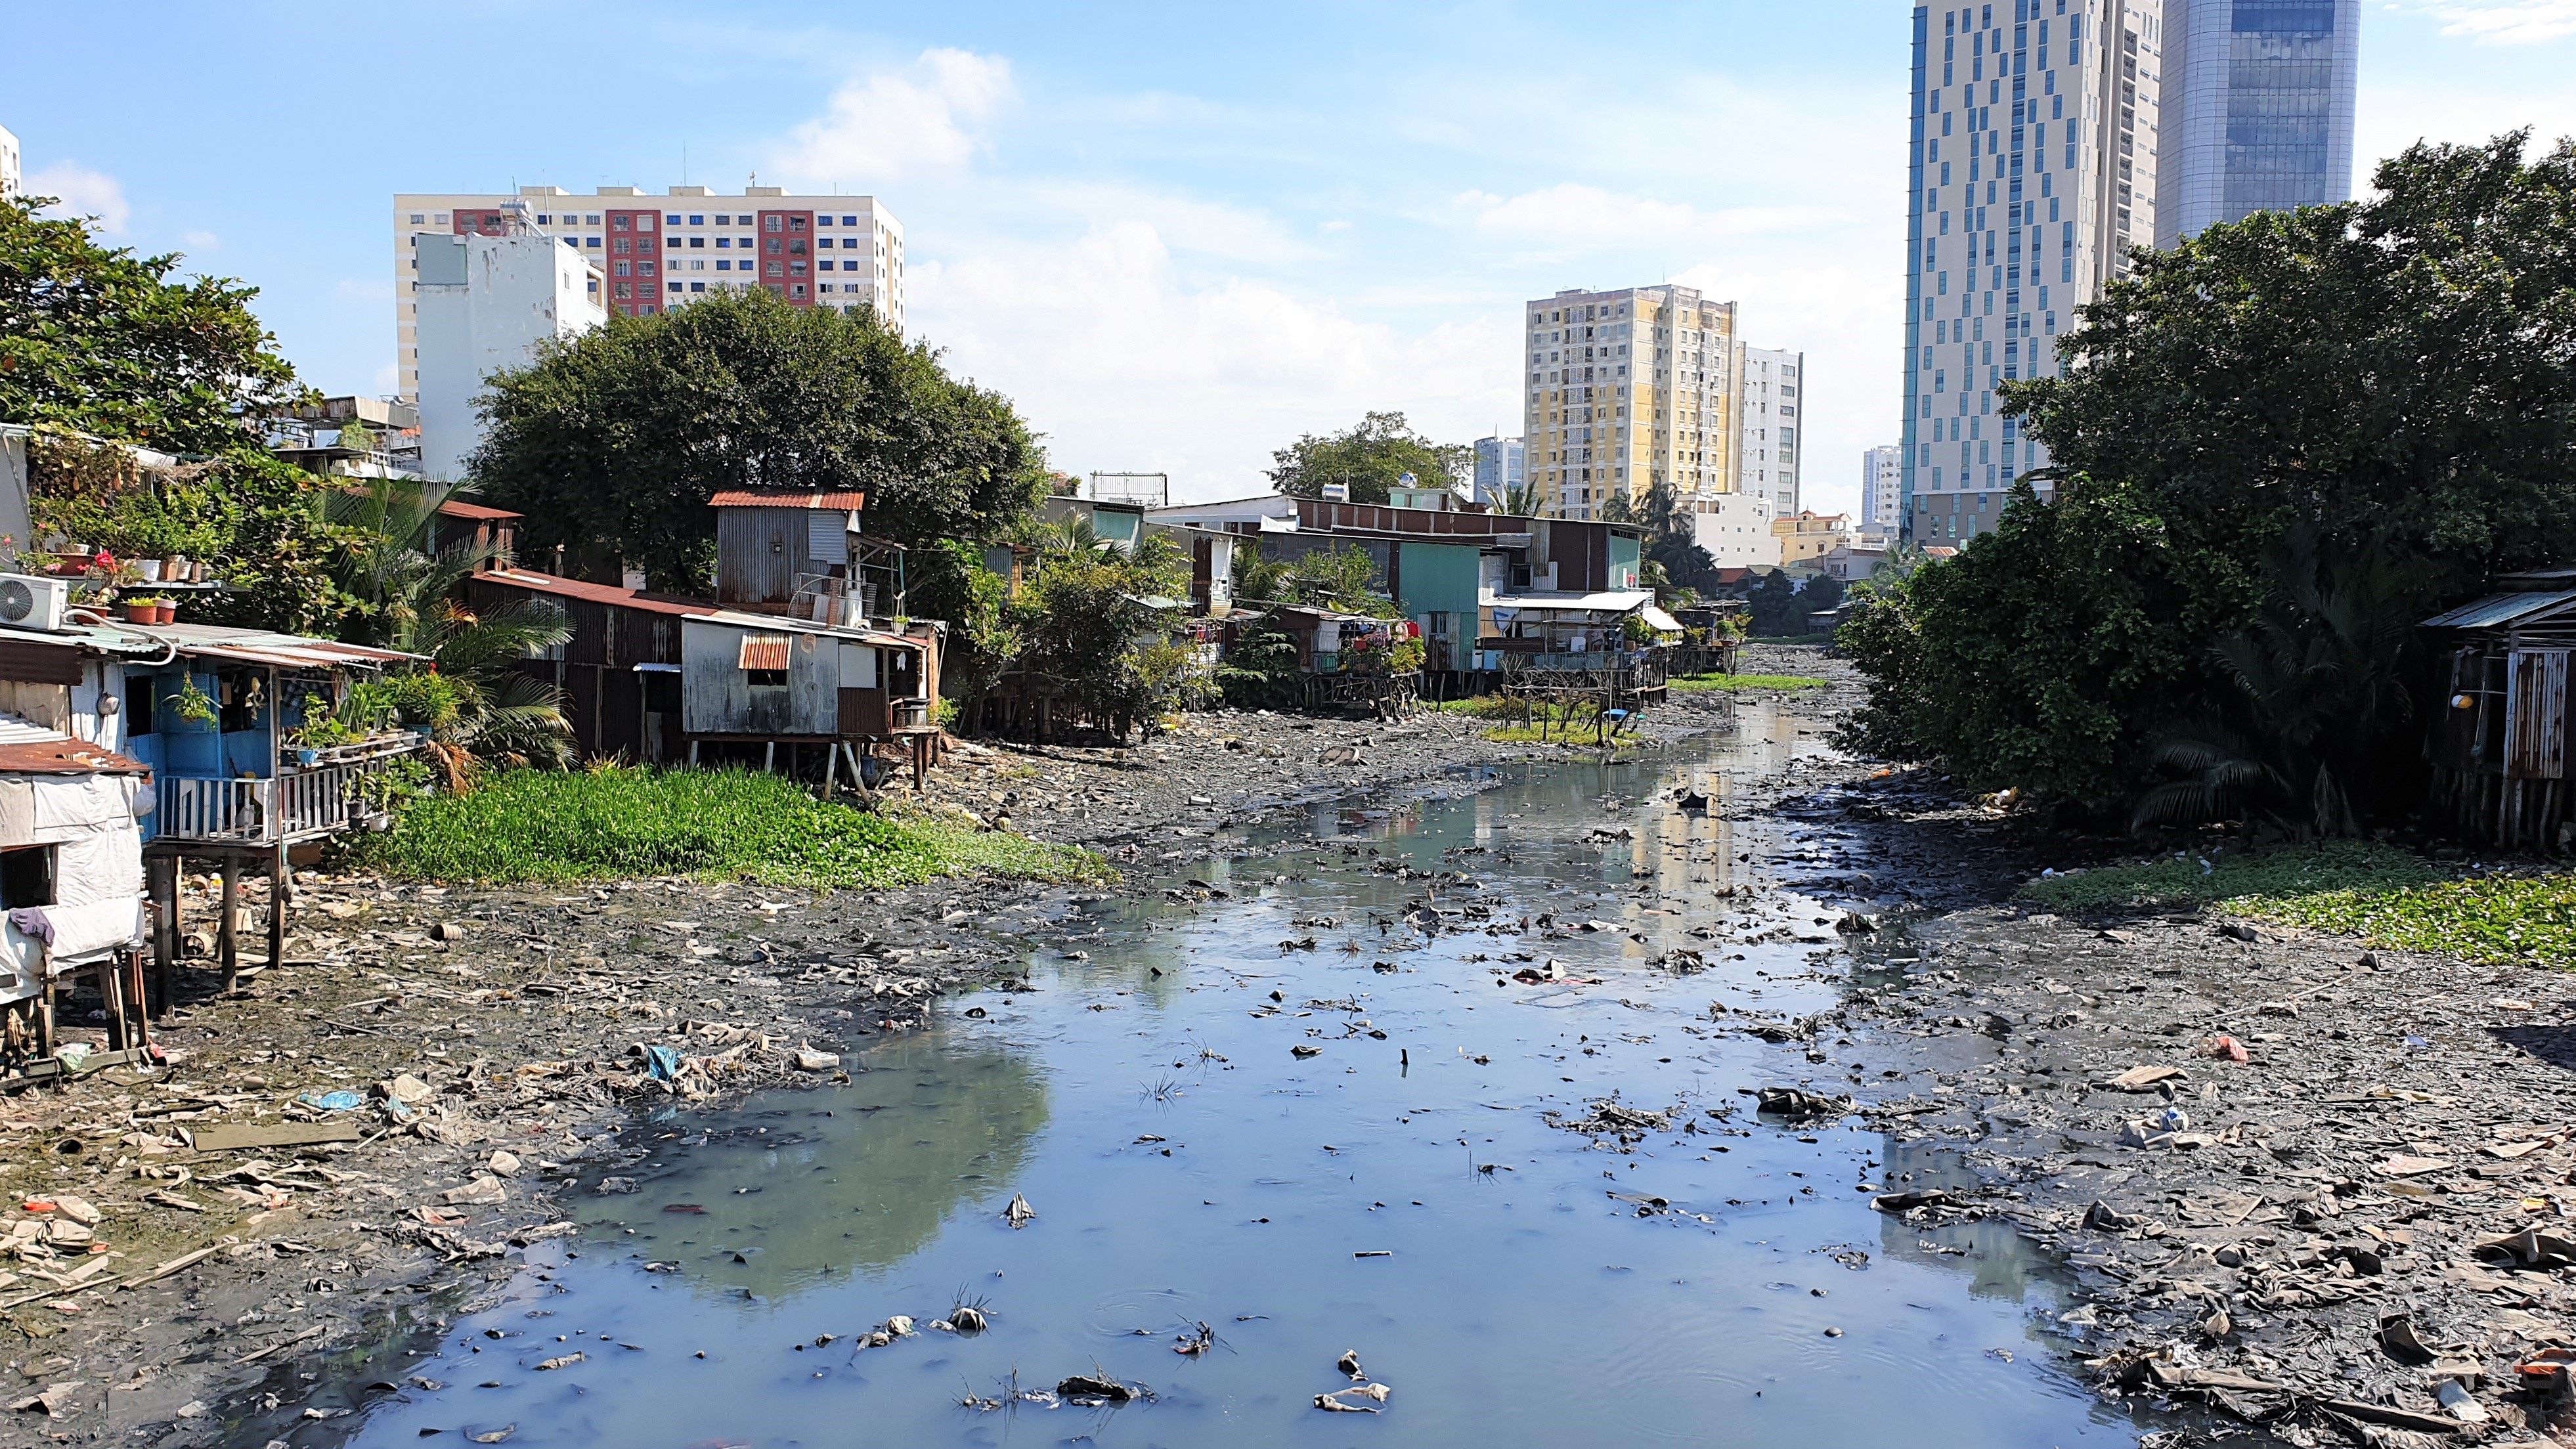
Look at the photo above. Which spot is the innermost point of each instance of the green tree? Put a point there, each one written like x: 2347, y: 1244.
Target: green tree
x: 1371, y: 456
x: 98, y: 340
x: 950, y: 583
x: 612, y: 442
x: 1094, y: 626
x: 2396, y: 375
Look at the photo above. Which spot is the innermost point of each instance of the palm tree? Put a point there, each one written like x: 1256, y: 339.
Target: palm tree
x: 2313, y: 685
x: 483, y: 707
x: 1523, y: 500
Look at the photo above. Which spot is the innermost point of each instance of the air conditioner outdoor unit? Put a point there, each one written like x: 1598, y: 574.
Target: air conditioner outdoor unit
x: 30, y: 602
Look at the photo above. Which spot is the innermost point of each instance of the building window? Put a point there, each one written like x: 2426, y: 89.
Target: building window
x: 723, y: 241
x: 699, y: 242
x: 723, y: 266
x: 777, y: 269
x: 674, y: 220
x: 675, y: 286
x: 626, y: 289
x: 621, y: 223
x: 699, y: 220
x: 849, y: 221
x: 591, y: 242
x: 647, y: 310
x: 798, y: 290
x: 417, y: 219
x: 644, y: 269
x: 795, y: 269
x: 694, y: 286
x: 624, y: 246
x: 770, y: 223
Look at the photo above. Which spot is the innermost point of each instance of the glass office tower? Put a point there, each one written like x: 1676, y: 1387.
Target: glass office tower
x: 2258, y: 108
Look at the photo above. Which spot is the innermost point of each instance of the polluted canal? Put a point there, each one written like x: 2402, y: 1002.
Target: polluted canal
x: 1281, y: 1111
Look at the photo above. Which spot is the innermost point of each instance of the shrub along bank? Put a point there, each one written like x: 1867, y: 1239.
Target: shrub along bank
x: 2383, y: 895
x: 530, y: 825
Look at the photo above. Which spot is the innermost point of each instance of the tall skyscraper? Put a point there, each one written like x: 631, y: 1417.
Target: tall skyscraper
x: 2032, y: 165
x: 1768, y: 384
x: 657, y: 252
x: 1882, y: 479
x: 1627, y: 389
x: 2258, y: 109
x: 1501, y: 466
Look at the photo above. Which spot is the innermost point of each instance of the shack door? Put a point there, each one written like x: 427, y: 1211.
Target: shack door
x: 863, y: 700
x: 2535, y: 710
x: 1203, y: 572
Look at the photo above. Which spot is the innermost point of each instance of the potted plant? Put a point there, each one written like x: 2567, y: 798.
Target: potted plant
x: 165, y: 609
x: 191, y: 703
x: 141, y: 609
x: 322, y: 730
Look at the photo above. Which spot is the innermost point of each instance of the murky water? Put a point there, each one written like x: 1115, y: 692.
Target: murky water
x: 1398, y: 1191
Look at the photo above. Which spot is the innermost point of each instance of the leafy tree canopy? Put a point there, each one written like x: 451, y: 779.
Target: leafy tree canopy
x: 1370, y: 456
x: 614, y: 441
x: 2395, y: 378
x: 98, y: 340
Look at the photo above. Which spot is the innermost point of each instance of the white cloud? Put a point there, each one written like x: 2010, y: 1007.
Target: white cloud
x: 200, y: 241
x: 922, y: 118
x: 1107, y: 345
x: 1571, y: 211
x: 2505, y: 22
x: 83, y: 192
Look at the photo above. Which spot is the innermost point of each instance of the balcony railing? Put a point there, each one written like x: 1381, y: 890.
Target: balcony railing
x: 297, y: 805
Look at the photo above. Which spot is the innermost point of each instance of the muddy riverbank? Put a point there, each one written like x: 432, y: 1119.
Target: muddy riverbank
x: 484, y: 1042
x: 2292, y: 1239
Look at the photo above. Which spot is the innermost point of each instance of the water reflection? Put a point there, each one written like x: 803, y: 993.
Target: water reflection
x: 1311, y: 1150
x: 770, y: 1202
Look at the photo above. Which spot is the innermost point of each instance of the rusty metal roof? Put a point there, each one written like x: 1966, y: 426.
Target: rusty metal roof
x: 841, y: 501
x: 2497, y: 609
x: 763, y: 651
x: 259, y: 646
x: 612, y: 595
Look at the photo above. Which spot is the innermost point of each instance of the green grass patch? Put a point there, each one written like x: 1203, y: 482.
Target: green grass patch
x: 1737, y: 682
x: 2379, y: 893
x: 531, y: 825
x: 1580, y: 734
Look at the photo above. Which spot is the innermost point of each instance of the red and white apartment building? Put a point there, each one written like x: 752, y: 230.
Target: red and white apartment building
x: 657, y: 252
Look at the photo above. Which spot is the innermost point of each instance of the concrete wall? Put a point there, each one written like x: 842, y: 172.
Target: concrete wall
x: 1735, y: 528
x: 485, y: 302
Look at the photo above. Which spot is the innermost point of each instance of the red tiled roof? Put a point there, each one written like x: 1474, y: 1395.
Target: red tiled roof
x: 845, y: 501
x: 609, y: 594
x: 454, y: 509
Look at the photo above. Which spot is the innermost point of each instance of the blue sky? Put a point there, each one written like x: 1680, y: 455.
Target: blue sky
x: 1178, y: 235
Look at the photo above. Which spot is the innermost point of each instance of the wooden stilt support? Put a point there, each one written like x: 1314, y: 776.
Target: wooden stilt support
x: 831, y: 768
x: 165, y: 926
x: 769, y: 758
x: 693, y: 754
x: 111, y: 995
x: 227, y: 946
x: 280, y: 887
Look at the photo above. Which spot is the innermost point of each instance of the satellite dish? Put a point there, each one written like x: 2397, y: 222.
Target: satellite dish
x: 1406, y: 480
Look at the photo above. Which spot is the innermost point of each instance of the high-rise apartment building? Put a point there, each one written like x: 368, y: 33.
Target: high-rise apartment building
x: 1627, y: 389
x: 1882, y: 478
x: 2258, y: 109
x: 2033, y: 167
x: 1768, y: 384
x: 659, y: 252
x: 10, y: 164
x: 1501, y: 466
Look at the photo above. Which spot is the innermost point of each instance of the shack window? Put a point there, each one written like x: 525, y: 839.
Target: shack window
x: 27, y: 877
x: 764, y: 660
x: 827, y: 537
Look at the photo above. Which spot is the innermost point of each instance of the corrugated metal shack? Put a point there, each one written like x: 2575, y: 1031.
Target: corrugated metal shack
x: 766, y: 680
x: 620, y: 670
x: 2499, y: 745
